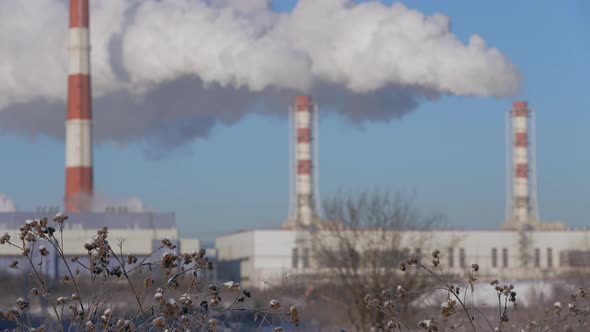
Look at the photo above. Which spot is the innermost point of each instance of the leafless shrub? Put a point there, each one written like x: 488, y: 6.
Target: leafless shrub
x: 355, y: 248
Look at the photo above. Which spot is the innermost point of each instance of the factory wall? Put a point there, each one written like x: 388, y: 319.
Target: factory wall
x: 188, y: 245
x: 141, y: 234
x: 265, y: 256
x: 254, y: 256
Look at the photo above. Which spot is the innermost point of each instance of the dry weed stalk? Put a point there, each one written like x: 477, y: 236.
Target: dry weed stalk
x: 457, y: 313
x: 181, y: 302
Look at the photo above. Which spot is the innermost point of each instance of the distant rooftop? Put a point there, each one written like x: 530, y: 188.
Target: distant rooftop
x: 96, y: 220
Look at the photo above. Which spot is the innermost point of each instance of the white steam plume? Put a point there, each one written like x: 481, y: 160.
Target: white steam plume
x: 169, y: 70
x: 6, y: 204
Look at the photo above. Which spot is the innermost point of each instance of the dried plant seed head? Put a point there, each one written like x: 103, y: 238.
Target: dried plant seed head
x: 294, y: 316
x: 412, y: 260
x: 475, y: 267
x: 22, y: 304
x: 448, y: 308
x: 168, y: 244
x: 571, y: 307
x: 30, y: 237
x: 159, y: 322
x: 5, y: 238
x: 60, y: 218
x: 557, y: 307
x: 435, y: 262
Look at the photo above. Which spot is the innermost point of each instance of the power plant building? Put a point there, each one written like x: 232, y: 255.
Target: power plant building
x: 257, y: 258
x: 523, y: 248
x: 140, y: 233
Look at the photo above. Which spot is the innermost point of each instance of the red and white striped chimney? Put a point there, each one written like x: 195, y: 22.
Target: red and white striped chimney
x: 303, y: 187
x: 79, y: 177
x: 521, y: 203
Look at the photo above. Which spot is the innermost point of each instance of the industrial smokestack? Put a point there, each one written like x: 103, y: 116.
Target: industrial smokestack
x: 521, y: 199
x: 304, y: 170
x: 303, y: 157
x: 79, y: 177
x: 521, y: 203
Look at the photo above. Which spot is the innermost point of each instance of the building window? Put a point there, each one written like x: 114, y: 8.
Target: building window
x: 451, y: 257
x: 504, y: 257
x: 305, y: 258
x: 575, y: 258
x: 494, y: 257
x: 563, y: 259
x: 537, y: 257
x: 294, y: 258
x: 462, y: 257
x: 549, y: 257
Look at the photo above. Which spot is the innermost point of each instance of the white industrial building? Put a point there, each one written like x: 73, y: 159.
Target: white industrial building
x: 141, y: 233
x: 257, y: 257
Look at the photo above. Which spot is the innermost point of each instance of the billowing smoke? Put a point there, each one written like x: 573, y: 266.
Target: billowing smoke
x: 167, y: 71
x: 6, y: 204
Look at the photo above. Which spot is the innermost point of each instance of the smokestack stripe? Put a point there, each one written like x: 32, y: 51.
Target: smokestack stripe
x: 79, y: 173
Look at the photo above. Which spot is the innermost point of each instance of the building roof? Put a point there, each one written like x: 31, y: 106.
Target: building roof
x: 96, y: 220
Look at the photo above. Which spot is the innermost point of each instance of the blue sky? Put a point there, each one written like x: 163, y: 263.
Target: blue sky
x: 449, y: 151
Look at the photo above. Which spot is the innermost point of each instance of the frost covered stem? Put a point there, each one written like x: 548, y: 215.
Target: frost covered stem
x: 127, y: 277
x: 59, y: 249
x: 454, y: 294
x: 41, y: 283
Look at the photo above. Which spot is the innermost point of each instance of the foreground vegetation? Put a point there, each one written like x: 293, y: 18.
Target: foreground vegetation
x: 167, y: 294
x: 108, y: 291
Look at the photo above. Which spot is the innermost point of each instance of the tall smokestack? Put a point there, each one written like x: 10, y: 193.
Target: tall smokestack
x: 520, y: 160
x: 303, y: 159
x: 303, y: 150
x: 79, y: 177
x: 521, y: 184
